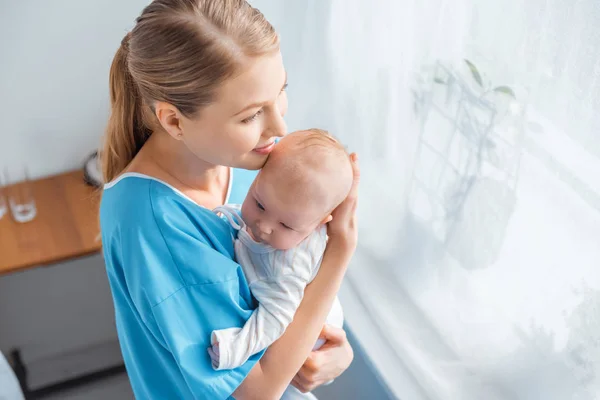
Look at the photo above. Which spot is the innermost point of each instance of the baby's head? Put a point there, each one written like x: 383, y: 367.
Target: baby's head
x: 307, y: 175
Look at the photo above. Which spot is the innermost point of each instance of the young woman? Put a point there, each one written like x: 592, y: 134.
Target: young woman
x: 198, y: 99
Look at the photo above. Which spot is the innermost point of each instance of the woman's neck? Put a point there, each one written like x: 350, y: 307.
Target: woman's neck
x: 171, y: 161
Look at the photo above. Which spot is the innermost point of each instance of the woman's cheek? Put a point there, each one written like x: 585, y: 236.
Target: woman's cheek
x: 248, y: 137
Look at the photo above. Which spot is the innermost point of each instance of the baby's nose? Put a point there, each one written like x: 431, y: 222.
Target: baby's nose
x: 264, y: 228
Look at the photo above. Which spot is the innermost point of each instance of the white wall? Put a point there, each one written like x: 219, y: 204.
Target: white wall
x: 54, y: 62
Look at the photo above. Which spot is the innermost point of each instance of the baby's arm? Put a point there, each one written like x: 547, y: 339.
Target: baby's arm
x: 278, y: 298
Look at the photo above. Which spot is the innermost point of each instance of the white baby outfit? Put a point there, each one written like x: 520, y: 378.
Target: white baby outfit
x: 277, y: 279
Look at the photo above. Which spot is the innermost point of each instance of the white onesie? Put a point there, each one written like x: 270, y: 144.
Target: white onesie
x: 277, y: 279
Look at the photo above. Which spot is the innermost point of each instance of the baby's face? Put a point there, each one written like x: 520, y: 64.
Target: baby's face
x: 276, y: 216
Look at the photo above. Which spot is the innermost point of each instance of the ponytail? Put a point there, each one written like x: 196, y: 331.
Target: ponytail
x: 179, y: 52
x: 125, y: 133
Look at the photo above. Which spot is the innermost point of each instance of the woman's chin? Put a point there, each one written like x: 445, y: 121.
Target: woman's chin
x: 253, y: 161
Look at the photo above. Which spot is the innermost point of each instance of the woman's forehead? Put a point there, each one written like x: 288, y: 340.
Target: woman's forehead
x: 258, y: 84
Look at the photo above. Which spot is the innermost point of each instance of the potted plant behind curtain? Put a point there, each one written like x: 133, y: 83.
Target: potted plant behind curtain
x: 466, y: 169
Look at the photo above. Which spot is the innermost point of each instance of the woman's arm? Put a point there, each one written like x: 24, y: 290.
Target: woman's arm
x: 274, y: 372
x: 278, y: 299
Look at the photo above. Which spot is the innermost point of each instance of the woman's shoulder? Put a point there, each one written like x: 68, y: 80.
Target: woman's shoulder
x: 136, y: 197
x: 142, y: 217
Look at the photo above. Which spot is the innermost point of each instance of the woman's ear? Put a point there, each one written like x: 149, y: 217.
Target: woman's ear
x: 170, y: 119
x: 326, y: 219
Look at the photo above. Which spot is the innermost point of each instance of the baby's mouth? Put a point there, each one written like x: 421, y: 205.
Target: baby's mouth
x: 253, y: 236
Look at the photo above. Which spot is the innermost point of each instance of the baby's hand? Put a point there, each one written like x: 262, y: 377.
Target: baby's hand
x: 213, y: 351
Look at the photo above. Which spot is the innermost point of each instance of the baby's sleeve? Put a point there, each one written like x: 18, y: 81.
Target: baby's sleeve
x: 278, y: 301
x: 279, y: 295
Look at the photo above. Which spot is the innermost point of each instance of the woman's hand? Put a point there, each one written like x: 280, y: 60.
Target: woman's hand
x: 343, y: 229
x: 326, y: 363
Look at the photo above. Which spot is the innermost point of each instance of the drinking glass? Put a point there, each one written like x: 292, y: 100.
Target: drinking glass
x: 20, y: 196
x: 3, y: 206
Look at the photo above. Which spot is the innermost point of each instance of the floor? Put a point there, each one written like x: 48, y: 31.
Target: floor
x: 114, y: 388
x: 357, y: 383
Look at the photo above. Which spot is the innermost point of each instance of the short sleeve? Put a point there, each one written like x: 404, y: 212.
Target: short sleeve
x: 186, y: 320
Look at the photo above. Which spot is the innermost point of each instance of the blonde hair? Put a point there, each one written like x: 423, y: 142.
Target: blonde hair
x: 179, y: 52
x: 321, y: 137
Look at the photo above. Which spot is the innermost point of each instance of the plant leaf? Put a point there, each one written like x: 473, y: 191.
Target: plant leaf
x: 475, y: 72
x: 489, y: 143
x: 439, y: 80
x: 505, y: 90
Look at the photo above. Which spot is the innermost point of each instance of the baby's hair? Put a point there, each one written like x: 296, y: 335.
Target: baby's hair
x: 321, y: 137
x: 309, y: 154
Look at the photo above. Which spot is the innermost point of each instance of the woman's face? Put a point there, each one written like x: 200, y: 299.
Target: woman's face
x: 239, y: 128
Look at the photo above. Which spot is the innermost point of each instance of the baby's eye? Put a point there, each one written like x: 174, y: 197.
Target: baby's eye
x: 260, y: 206
x: 285, y: 226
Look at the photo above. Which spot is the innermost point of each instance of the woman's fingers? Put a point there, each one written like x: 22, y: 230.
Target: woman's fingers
x: 305, y: 385
x: 346, y: 209
x: 343, y: 225
x: 333, y: 336
x: 356, y: 176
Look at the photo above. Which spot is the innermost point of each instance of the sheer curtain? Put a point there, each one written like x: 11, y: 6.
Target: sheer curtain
x: 477, y: 123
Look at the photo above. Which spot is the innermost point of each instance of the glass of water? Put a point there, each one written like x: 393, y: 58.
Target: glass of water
x: 20, y: 197
x: 3, y: 206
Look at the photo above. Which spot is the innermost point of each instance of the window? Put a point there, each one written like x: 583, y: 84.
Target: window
x: 477, y: 123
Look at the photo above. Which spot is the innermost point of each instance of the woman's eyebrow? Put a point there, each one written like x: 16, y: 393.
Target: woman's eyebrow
x: 262, y: 103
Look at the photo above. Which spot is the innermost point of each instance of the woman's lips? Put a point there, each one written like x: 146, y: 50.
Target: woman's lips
x: 264, y: 149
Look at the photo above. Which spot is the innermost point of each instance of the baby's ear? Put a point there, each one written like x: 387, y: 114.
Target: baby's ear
x: 327, y: 219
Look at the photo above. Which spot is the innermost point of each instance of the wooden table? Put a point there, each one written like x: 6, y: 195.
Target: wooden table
x: 65, y: 227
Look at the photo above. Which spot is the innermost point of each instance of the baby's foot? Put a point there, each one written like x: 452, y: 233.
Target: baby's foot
x: 213, y: 351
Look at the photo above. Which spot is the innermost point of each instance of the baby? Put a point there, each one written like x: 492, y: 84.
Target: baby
x: 281, y: 238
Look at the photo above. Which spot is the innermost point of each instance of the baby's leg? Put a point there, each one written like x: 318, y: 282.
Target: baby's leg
x: 334, y: 318
x: 291, y: 393
x: 320, y: 342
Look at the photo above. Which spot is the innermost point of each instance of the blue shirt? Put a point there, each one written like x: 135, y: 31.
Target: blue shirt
x: 173, y: 281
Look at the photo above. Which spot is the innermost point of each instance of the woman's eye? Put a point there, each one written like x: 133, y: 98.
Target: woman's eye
x: 253, y: 117
x: 284, y: 87
x: 260, y: 206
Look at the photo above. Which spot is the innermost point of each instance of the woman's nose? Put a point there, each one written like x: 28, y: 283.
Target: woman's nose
x: 277, y: 126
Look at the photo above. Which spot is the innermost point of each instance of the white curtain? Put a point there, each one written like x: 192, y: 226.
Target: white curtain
x: 478, y: 127
x: 9, y: 385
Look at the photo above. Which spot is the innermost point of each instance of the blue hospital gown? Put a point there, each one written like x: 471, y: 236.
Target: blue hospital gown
x: 173, y: 281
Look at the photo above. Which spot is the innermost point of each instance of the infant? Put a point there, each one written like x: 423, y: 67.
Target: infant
x: 282, y: 237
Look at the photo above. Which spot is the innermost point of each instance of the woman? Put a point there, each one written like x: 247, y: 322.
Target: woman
x: 198, y: 98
